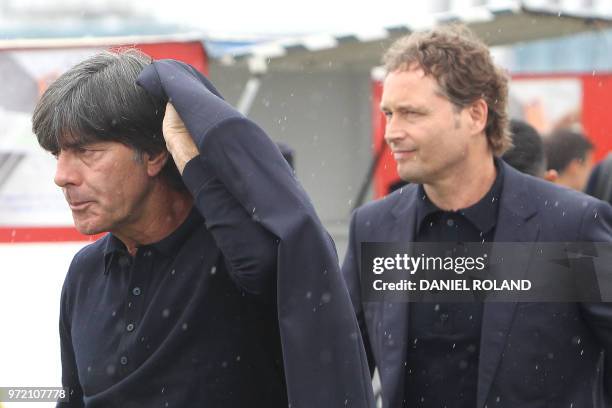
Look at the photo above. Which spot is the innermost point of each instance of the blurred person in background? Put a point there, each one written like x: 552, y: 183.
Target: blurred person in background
x: 600, y: 180
x: 527, y: 152
x: 569, y: 157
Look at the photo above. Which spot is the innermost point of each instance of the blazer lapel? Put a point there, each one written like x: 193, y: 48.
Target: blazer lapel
x: 516, y: 222
x: 395, y: 314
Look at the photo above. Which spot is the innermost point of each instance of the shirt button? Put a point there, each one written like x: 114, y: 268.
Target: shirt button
x: 136, y: 291
x: 130, y: 327
x: 123, y: 360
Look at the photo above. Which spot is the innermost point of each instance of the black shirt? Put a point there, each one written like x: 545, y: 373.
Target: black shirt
x: 181, y: 323
x: 444, y: 337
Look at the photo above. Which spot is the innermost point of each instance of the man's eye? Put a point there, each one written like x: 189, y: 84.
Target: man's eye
x: 85, y: 149
x: 86, y: 153
x: 387, y: 114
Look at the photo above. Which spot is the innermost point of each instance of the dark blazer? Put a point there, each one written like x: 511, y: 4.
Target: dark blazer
x: 324, y: 360
x: 532, y: 354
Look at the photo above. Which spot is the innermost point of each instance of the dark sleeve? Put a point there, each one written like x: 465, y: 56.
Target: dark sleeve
x: 597, y: 227
x: 351, y: 273
x: 249, y: 249
x: 70, y: 379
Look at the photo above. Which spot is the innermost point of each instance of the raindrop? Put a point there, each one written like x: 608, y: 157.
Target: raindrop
x: 326, y: 297
x: 110, y: 369
x: 213, y: 270
x: 165, y: 313
x: 184, y: 326
x: 308, y: 295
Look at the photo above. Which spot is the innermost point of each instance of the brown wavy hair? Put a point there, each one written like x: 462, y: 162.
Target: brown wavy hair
x: 463, y: 68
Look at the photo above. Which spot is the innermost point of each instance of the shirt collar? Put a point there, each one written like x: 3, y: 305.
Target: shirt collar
x: 167, y: 246
x: 483, y: 214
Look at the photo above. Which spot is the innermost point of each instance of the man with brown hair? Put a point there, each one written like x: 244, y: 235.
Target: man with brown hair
x: 445, y: 104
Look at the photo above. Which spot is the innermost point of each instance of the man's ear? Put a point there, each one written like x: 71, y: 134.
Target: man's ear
x: 155, y: 162
x: 551, y: 175
x: 478, y: 112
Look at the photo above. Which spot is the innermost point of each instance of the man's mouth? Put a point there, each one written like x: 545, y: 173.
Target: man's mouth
x: 403, y: 154
x: 78, y: 205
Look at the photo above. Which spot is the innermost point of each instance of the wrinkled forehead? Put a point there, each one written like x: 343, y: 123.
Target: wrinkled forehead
x: 410, y: 84
x: 68, y: 139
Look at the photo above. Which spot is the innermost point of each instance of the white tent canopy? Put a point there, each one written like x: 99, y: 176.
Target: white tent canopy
x: 497, y: 22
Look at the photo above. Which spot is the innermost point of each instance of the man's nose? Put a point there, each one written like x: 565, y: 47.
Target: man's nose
x: 66, y: 172
x: 393, y: 132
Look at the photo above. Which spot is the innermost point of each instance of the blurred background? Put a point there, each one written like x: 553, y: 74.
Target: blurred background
x: 307, y: 72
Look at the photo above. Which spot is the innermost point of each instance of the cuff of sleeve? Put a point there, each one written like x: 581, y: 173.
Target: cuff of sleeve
x: 196, y: 175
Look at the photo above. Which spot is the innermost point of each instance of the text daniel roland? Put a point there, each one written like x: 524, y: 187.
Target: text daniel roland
x: 454, y: 285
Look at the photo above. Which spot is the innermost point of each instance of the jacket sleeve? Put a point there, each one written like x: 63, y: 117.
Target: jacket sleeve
x: 351, y: 268
x: 596, y: 226
x: 249, y: 249
x: 70, y: 379
x: 323, y: 356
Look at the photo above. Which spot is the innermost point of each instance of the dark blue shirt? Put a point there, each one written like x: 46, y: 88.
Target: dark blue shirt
x: 188, y: 321
x: 444, y: 337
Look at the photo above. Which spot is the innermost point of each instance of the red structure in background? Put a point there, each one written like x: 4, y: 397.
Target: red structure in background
x: 596, y: 112
x: 596, y: 119
x: 191, y: 52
